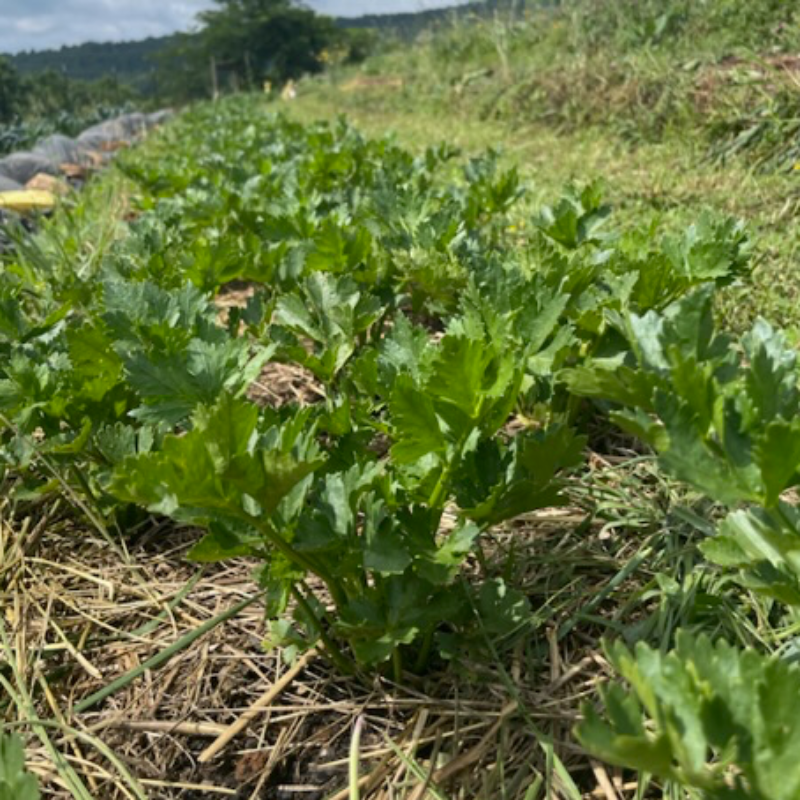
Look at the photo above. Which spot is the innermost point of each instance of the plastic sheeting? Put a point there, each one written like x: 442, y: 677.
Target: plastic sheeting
x: 122, y: 130
x: 7, y: 185
x: 159, y: 117
x: 60, y: 149
x: 21, y: 167
x: 57, y: 155
x: 133, y: 124
x: 104, y: 135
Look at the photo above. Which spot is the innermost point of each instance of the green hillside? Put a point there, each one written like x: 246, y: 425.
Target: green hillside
x: 129, y: 62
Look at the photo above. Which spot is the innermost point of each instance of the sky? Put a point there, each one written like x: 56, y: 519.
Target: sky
x: 44, y: 24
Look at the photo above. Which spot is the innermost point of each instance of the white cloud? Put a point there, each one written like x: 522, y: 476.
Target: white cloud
x: 43, y: 24
x: 34, y: 25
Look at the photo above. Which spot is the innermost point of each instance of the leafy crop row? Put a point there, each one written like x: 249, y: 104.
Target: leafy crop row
x: 723, y: 416
x: 429, y: 319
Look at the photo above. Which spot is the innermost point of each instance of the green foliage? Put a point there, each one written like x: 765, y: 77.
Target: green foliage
x: 49, y: 102
x: 122, y: 373
x: 11, y: 94
x: 221, y: 465
x: 575, y: 220
x: 400, y: 285
x: 330, y: 312
x: 282, y: 39
x: 173, y: 353
x: 71, y: 103
x: 402, y: 290
x: 631, y: 24
x: 131, y: 63
x: 15, y: 782
x: 714, y: 416
x: 763, y: 544
x: 707, y: 717
x: 722, y: 415
x: 723, y: 418
x: 371, y: 531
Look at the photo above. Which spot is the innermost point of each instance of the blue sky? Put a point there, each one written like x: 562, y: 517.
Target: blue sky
x: 42, y: 24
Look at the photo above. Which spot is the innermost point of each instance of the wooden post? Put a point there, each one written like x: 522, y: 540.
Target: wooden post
x: 248, y: 64
x: 214, y: 79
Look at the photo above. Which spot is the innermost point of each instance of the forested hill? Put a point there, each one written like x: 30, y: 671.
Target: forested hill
x: 132, y: 62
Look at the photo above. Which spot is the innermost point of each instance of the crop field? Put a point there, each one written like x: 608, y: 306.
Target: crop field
x: 342, y: 464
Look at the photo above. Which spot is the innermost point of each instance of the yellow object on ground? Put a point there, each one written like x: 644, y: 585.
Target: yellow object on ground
x: 27, y: 200
x: 289, y: 91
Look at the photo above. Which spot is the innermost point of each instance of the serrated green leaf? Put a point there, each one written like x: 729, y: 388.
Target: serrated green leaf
x: 711, y: 713
x: 214, y: 468
x: 777, y: 453
x: 417, y: 430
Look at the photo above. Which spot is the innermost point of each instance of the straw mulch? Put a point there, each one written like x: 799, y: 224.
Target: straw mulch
x: 82, y: 610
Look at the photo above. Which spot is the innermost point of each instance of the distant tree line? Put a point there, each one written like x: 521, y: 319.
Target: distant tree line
x: 131, y: 63
x: 248, y: 42
x: 408, y: 25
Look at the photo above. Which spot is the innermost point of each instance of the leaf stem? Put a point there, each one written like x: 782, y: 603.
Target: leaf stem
x: 439, y: 490
x: 397, y: 665
x: 333, y: 650
x: 276, y: 540
x: 425, y: 652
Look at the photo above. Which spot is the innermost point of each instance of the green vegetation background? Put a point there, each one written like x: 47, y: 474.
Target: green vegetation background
x: 678, y: 106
